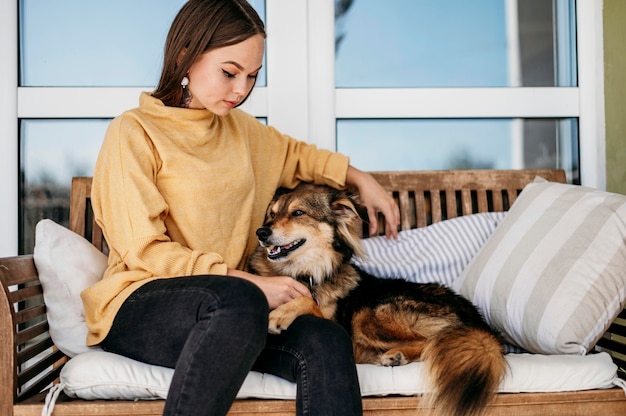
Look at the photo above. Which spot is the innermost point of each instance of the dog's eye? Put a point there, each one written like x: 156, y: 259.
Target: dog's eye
x: 271, y: 214
x: 297, y: 213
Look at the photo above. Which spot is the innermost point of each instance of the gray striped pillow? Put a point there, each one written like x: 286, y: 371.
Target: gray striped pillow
x: 437, y: 253
x: 552, y: 277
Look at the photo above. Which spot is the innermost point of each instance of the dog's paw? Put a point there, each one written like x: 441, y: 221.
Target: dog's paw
x: 393, y: 358
x: 279, y: 321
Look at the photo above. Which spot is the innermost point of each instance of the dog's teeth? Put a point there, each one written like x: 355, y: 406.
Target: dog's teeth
x: 274, y: 250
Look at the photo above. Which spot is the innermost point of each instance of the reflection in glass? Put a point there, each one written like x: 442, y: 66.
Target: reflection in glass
x: 454, y: 43
x: 113, y: 43
x: 52, y: 152
x: 434, y: 144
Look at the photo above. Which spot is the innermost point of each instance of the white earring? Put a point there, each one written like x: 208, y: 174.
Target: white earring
x: 184, y: 82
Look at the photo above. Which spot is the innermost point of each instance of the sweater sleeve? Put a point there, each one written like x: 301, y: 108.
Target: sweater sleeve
x: 299, y: 161
x: 131, y: 210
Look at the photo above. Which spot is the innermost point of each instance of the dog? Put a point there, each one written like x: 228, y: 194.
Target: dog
x: 311, y: 233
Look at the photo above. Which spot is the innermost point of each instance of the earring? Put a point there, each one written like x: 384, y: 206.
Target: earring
x: 186, y: 97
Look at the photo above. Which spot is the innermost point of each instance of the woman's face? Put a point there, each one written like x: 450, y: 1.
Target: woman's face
x: 220, y: 79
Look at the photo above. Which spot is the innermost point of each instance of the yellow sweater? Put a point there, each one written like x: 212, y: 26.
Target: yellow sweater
x: 180, y: 192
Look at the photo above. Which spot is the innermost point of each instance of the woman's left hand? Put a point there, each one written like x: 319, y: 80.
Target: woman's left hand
x: 376, y: 200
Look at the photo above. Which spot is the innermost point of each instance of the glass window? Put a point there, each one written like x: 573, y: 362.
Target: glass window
x: 114, y: 43
x: 52, y: 152
x: 454, y: 43
x: 434, y: 144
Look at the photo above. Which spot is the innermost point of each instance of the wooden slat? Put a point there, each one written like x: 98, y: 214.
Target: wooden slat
x: 617, y: 329
x: 30, y: 313
x: 496, y: 196
x: 481, y: 201
x: 451, y: 211
x: 48, y: 378
x: 23, y: 336
x: 435, y: 206
x: 18, y: 270
x: 82, y: 221
x: 612, y: 345
x: 41, y: 367
x: 511, y: 196
x: 420, y: 209
x: 32, y: 350
x: 80, y: 192
x: 403, y: 204
x: 24, y: 293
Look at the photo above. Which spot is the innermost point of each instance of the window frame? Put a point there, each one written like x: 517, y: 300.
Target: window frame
x: 301, y: 99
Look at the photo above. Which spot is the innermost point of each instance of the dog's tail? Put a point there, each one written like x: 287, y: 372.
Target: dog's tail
x: 465, y: 366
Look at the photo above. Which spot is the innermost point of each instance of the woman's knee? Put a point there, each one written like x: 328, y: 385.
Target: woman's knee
x: 241, y: 300
x: 322, y: 335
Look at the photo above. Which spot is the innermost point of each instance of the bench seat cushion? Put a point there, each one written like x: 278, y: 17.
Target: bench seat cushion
x: 102, y: 375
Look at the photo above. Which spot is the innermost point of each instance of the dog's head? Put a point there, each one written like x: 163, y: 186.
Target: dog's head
x: 310, y: 231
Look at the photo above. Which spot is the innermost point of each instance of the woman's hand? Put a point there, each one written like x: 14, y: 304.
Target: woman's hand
x: 376, y: 200
x: 277, y: 289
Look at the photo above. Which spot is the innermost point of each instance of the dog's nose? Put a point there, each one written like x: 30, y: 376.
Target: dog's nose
x: 264, y: 233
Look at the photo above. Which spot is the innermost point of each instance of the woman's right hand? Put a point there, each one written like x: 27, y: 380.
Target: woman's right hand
x: 277, y: 289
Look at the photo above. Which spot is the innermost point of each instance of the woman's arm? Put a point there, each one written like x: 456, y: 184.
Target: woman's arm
x: 376, y: 200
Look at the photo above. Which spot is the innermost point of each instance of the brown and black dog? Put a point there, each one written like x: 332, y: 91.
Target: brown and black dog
x: 311, y: 233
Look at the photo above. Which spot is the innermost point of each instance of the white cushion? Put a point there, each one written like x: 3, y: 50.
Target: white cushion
x: 437, y: 253
x: 67, y: 264
x: 102, y: 375
x: 552, y: 277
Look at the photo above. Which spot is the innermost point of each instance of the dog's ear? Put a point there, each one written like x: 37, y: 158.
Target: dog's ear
x: 349, y: 223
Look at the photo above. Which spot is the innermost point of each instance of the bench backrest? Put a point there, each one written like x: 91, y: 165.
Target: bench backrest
x: 424, y: 197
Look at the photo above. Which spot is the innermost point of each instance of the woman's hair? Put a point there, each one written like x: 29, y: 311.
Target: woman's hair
x: 199, y: 27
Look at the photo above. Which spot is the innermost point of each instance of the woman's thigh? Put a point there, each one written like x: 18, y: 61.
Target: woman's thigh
x: 154, y: 323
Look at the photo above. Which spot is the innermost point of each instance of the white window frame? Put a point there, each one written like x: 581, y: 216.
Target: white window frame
x: 301, y: 99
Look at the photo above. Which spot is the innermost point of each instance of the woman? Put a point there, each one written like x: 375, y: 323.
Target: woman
x: 180, y: 185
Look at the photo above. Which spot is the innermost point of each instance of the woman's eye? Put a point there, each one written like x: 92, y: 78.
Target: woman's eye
x: 228, y: 74
x: 253, y: 76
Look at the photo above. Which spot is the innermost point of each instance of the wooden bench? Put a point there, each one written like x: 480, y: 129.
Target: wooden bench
x: 30, y: 362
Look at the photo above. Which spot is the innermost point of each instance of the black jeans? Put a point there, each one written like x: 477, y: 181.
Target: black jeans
x: 213, y: 330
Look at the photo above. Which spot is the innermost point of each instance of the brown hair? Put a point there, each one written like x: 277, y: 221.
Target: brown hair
x: 199, y: 27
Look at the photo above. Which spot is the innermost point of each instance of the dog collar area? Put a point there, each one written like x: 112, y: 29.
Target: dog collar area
x: 308, y: 280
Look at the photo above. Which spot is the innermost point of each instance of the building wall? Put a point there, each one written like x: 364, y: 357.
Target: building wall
x: 615, y: 93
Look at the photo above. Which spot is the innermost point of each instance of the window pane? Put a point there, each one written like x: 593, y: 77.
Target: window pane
x: 113, y: 43
x: 52, y: 152
x: 455, y: 43
x: 434, y: 144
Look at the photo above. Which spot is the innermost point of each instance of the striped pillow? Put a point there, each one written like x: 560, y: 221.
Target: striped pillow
x: 437, y: 253
x: 552, y: 277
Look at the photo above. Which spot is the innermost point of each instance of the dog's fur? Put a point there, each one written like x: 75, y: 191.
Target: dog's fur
x: 311, y: 233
